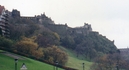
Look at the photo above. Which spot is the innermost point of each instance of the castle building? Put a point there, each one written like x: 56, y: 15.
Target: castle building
x: 4, y: 25
x: 15, y: 13
x: 81, y: 30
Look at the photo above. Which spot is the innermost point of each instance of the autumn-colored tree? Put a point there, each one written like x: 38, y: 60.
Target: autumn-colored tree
x: 28, y: 46
x: 38, y: 53
x: 53, y: 54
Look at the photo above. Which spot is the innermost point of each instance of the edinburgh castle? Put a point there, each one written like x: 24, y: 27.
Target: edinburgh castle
x: 41, y: 19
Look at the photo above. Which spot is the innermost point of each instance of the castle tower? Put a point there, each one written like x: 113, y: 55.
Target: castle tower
x: 15, y: 13
x: 87, y: 26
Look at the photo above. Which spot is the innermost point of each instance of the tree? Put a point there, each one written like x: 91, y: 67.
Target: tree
x: 110, y: 61
x: 16, y: 31
x: 47, y: 39
x: 31, y: 28
x: 6, y: 43
x: 28, y: 46
x: 105, y: 62
x: 53, y: 54
x: 22, y: 27
x: 38, y: 53
x: 68, y: 42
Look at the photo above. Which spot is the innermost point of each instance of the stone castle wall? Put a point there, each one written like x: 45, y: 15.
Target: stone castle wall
x: 43, y: 18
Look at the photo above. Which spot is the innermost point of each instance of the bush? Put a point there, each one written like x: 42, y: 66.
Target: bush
x: 5, y: 43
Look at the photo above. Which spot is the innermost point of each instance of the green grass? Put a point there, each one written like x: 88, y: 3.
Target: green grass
x: 8, y: 63
x: 75, y: 62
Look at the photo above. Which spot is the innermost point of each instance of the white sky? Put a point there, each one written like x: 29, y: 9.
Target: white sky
x: 109, y: 17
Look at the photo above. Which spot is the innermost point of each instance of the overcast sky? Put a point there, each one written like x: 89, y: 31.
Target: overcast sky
x: 109, y: 17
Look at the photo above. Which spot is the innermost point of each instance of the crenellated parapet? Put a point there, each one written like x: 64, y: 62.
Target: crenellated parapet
x: 39, y: 18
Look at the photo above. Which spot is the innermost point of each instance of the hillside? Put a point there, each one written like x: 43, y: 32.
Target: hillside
x: 39, y: 37
x: 7, y: 60
x: 7, y: 63
x: 83, y: 40
x: 75, y: 62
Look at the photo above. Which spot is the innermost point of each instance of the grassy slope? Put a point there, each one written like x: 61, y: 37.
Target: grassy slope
x: 75, y: 62
x: 7, y: 63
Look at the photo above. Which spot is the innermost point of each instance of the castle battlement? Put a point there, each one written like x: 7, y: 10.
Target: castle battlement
x: 23, y: 17
x: 39, y: 18
x: 85, y: 29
